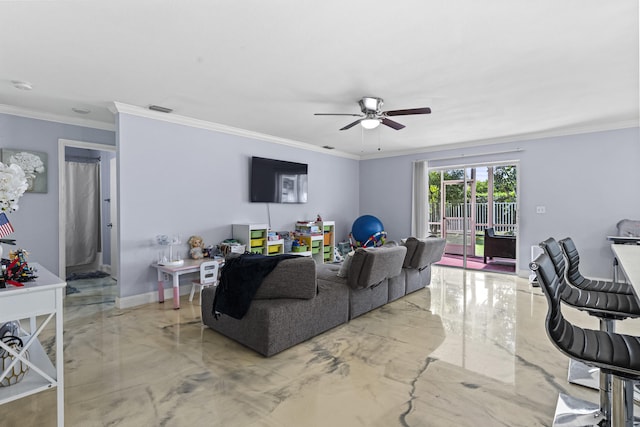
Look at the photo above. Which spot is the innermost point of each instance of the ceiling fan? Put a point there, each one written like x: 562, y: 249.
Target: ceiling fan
x: 372, y: 114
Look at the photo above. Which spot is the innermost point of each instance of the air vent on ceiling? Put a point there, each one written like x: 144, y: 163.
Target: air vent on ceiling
x: 80, y: 110
x: 160, y: 108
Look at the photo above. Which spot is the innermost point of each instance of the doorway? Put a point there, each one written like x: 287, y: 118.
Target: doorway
x: 468, y: 202
x: 85, y: 156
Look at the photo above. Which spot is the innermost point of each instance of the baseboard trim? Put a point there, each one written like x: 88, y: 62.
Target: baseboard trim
x: 106, y: 268
x: 149, y: 297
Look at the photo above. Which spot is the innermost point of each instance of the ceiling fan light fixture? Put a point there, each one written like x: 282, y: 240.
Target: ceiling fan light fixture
x: 370, y: 123
x: 372, y: 114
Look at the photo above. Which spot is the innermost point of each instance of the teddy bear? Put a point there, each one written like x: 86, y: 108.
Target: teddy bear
x: 197, y: 247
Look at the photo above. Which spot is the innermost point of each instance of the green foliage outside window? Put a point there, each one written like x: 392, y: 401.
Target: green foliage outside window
x: 504, y: 186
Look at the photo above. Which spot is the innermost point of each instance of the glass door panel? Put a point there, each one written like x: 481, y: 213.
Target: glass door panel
x: 454, y: 223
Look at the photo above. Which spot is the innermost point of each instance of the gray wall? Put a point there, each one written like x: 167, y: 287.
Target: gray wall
x: 176, y: 179
x: 36, y: 223
x: 587, y: 183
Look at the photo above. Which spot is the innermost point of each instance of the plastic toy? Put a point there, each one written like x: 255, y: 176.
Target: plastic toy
x: 197, y: 247
x: 15, y: 270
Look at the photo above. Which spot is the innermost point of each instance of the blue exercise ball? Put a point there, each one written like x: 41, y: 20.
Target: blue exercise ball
x: 366, y: 226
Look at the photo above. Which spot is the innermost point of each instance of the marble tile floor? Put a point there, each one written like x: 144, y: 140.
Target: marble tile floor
x: 469, y: 350
x: 89, y: 296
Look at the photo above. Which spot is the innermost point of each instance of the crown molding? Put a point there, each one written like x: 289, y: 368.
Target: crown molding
x: 57, y: 118
x: 576, y: 130
x: 122, y: 108
x: 118, y: 107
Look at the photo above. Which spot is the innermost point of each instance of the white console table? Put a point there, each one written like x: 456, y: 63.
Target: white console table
x: 40, y: 297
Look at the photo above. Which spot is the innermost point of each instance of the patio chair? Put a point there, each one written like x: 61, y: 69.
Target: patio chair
x: 498, y: 246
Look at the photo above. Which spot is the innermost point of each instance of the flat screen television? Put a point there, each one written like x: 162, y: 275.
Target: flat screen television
x: 277, y: 181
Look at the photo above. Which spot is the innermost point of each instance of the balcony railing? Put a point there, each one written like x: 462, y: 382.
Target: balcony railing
x: 504, y: 217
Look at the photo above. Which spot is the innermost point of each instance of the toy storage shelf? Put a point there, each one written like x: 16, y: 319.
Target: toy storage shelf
x: 275, y: 247
x: 329, y: 240
x: 40, y: 297
x: 322, y: 244
x: 255, y: 238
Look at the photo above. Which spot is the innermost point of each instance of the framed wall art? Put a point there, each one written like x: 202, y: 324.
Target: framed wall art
x: 34, y: 165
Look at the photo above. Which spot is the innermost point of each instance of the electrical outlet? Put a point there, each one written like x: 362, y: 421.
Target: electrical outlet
x: 541, y: 209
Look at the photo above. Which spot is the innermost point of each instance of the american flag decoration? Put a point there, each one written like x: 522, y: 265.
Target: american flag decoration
x: 5, y: 226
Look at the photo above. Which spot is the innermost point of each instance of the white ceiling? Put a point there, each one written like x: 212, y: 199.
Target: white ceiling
x: 491, y: 70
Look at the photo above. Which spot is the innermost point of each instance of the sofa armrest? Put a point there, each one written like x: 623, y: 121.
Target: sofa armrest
x: 421, y: 253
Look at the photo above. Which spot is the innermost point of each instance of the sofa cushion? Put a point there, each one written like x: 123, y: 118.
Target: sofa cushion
x: 397, y: 286
x: 364, y: 300
x: 370, y: 266
x: 329, y: 272
x: 292, y: 278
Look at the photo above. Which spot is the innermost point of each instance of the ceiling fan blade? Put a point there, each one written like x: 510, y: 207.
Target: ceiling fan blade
x: 337, y: 114
x: 350, y: 125
x: 425, y: 110
x: 392, y: 124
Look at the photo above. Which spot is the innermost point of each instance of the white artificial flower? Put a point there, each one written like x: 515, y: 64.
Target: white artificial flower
x: 13, y: 184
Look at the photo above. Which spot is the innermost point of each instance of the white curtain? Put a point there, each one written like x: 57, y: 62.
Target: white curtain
x: 83, y: 212
x: 419, y: 209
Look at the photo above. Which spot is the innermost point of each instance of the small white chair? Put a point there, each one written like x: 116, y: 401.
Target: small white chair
x: 208, y: 277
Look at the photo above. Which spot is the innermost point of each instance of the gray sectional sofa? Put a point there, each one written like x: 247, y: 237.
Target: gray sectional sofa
x: 299, y: 299
x: 367, y: 278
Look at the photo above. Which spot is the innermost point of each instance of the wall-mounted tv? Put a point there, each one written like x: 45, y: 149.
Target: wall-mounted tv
x: 277, y: 181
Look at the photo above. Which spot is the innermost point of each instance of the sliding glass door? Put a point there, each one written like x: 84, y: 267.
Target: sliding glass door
x: 468, y: 202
